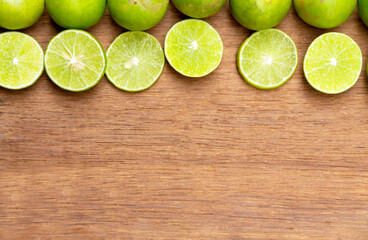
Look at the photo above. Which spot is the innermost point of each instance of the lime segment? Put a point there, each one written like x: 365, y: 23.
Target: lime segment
x: 135, y: 61
x: 333, y: 63
x: 267, y: 59
x: 193, y: 48
x: 75, y: 60
x: 21, y: 60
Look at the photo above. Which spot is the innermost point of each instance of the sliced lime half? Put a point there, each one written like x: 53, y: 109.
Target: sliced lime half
x: 75, y: 60
x: 135, y: 61
x: 267, y: 59
x: 193, y: 48
x: 21, y: 60
x: 333, y: 63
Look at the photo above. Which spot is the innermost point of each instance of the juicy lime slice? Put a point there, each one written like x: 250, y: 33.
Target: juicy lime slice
x: 135, y: 61
x: 21, y: 60
x: 333, y: 63
x: 75, y: 60
x: 193, y: 48
x: 267, y: 59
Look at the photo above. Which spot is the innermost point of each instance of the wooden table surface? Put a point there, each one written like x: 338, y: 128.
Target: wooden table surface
x: 212, y: 158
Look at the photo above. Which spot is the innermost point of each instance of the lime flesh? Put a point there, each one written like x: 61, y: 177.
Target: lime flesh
x: 193, y: 48
x: 75, y: 60
x: 135, y: 61
x: 333, y: 63
x: 267, y: 59
x: 21, y: 60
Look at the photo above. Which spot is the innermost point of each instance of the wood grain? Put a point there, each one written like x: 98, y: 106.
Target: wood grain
x: 211, y: 158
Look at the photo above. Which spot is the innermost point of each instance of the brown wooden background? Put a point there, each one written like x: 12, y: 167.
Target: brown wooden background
x: 211, y: 158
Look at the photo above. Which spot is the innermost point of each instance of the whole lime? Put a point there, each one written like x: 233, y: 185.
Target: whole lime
x: 20, y: 14
x: 199, y: 8
x: 259, y: 14
x: 78, y: 14
x: 137, y: 15
x: 363, y: 10
x: 324, y: 14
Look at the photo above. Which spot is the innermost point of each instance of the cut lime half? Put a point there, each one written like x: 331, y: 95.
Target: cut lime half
x: 193, y: 48
x: 75, y: 60
x: 135, y: 61
x: 333, y: 63
x: 267, y: 59
x: 21, y: 60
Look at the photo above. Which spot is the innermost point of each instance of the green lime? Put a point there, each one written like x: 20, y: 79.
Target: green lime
x: 199, y: 8
x: 259, y: 14
x: 267, y: 59
x: 75, y: 60
x: 363, y: 10
x: 135, y: 61
x: 324, y: 13
x: 20, y: 14
x: 193, y: 48
x: 333, y: 63
x: 21, y: 60
x: 137, y: 15
x: 80, y: 14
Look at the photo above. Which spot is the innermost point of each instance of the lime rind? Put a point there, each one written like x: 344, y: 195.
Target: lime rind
x: 322, y: 61
x: 199, y: 9
x: 270, y: 46
x: 72, y: 46
x: 135, y: 61
x: 29, y: 57
x: 193, y: 48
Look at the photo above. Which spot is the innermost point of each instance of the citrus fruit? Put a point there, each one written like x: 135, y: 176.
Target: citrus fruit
x: 259, y: 14
x: 193, y: 48
x: 199, y: 8
x: 135, y: 61
x: 75, y: 60
x: 21, y: 60
x: 324, y: 14
x: 20, y: 14
x: 267, y: 59
x: 137, y: 15
x: 363, y: 10
x: 333, y: 63
x: 79, y: 14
